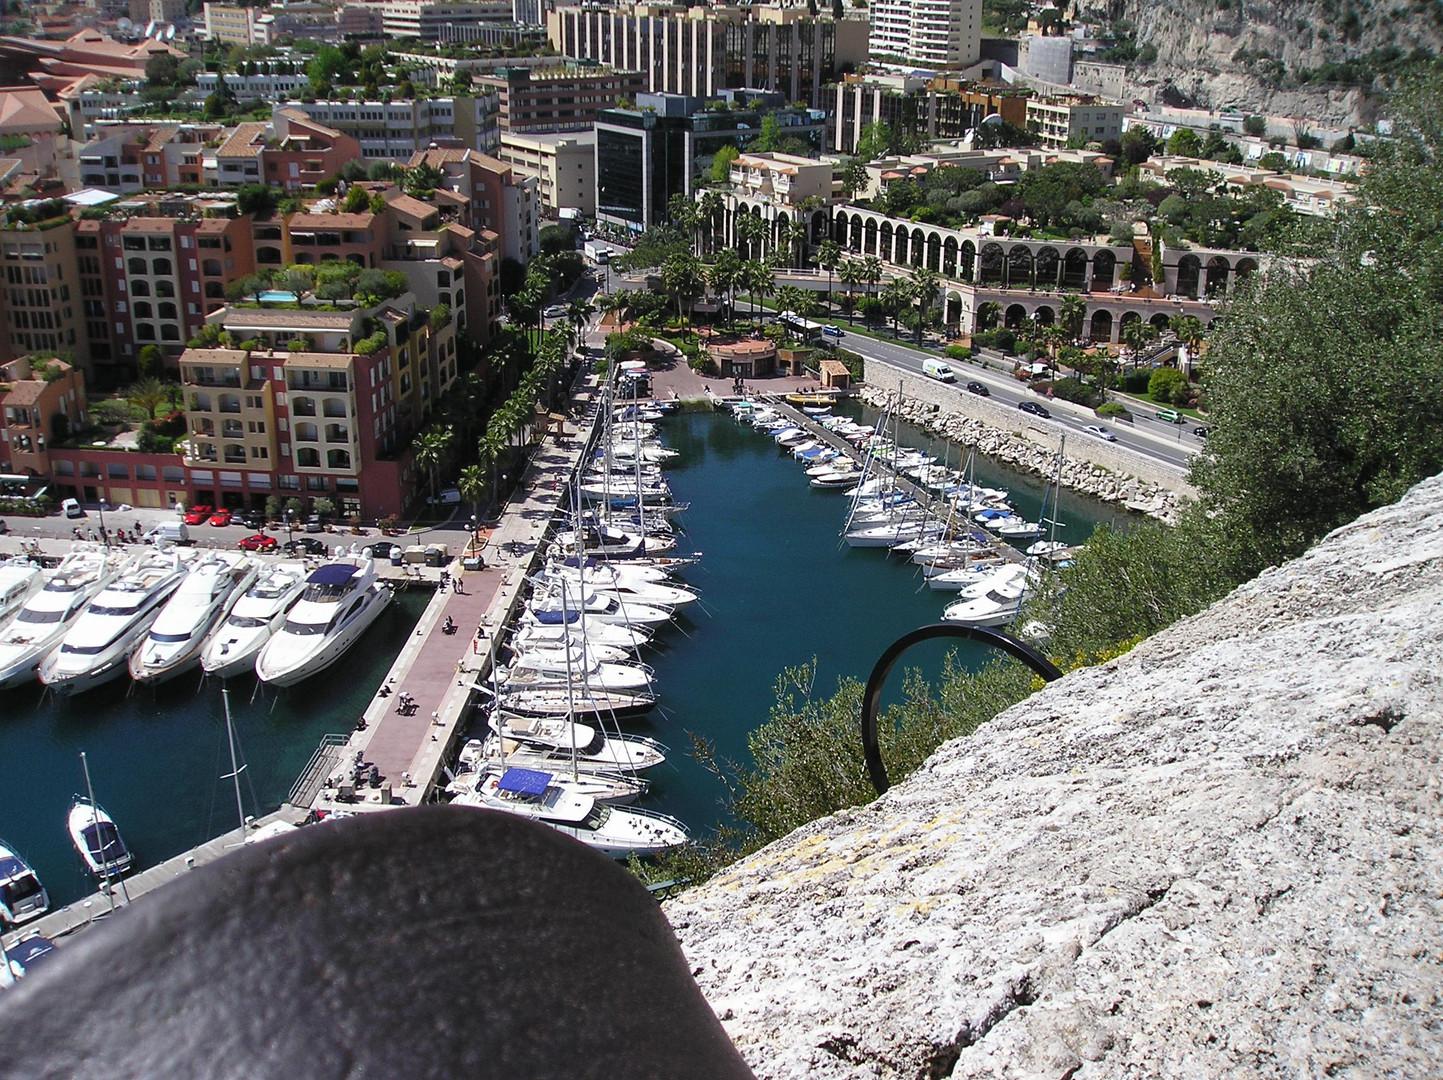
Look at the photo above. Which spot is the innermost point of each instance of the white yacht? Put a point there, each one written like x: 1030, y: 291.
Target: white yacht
x: 608, y: 608
x: 612, y: 580
x: 20, y: 579
x: 340, y: 601
x: 95, y: 648
x: 22, y: 897
x: 996, y: 606
x: 177, y: 637
x: 604, y: 541
x: 560, y: 738
x: 545, y: 797
x: 539, y: 669
x: 231, y: 650
x: 96, y: 838
x: 49, y: 613
x: 529, y: 632
x: 607, y: 787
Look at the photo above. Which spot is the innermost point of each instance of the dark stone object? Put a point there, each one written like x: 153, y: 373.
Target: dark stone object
x: 430, y: 942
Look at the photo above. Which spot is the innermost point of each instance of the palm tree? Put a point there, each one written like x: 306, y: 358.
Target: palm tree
x: 872, y: 274
x: 758, y: 281
x: 829, y: 257
x: 578, y: 312
x: 751, y: 230
x: 682, y: 275
x: 430, y: 449
x: 471, y: 485
x: 1191, y: 332
x: 725, y: 276
x: 926, y: 287
x: 789, y: 298
x: 1136, y: 334
x: 146, y: 395
x: 851, y: 276
x: 683, y: 213
x: 1072, y: 315
x: 895, y: 296
x: 710, y: 207
x: 797, y: 237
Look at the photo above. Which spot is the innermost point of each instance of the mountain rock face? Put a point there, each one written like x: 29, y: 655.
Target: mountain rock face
x: 1216, y: 53
x: 1218, y: 855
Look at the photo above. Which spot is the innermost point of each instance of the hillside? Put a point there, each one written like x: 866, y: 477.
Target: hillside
x: 1216, y: 856
x: 1331, y: 61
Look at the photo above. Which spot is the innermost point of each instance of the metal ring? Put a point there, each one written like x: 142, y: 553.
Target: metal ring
x: 872, y: 697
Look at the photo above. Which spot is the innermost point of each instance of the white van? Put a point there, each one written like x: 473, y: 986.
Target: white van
x: 936, y: 369
x: 72, y: 508
x: 172, y: 532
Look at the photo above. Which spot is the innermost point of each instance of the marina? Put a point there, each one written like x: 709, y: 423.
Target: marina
x: 742, y: 496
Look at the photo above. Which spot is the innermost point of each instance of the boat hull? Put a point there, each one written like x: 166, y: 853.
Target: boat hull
x: 273, y: 670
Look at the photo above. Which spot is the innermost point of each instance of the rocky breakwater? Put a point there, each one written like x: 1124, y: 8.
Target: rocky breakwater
x: 1218, y: 855
x: 1115, y: 485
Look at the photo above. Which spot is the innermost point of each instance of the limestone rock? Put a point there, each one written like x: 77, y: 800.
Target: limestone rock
x: 1217, y: 855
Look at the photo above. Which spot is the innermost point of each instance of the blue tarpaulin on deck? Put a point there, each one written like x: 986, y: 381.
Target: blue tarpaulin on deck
x: 525, y: 782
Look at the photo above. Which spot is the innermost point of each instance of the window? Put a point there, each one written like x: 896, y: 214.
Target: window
x: 139, y: 288
x: 137, y: 266
x: 308, y: 457
x: 160, y: 266
x: 143, y: 310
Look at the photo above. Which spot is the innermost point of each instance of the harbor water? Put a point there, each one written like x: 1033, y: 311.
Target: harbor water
x: 778, y: 589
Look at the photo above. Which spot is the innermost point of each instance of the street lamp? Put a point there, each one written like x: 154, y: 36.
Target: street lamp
x: 103, y: 534
x: 290, y: 534
x: 475, y: 528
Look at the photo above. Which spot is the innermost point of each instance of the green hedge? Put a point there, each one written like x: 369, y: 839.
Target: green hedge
x: 1076, y: 391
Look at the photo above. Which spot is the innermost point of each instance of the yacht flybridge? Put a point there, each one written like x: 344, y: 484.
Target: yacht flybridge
x: 173, y: 645
x: 232, y: 648
x: 341, y: 599
x: 48, y: 614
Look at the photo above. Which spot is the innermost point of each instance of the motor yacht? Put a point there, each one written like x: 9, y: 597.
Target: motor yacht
x: 178, y: 636
x: 259, y: 612
x: 22, y: 897
x: 20, y: 579
x: 94, y: 649
x: 46, y: 616
x: 548, y: 798
x: 606, y: 542
x: 529, y: 632
x: 549, y: 607
x: 996, y: 606
x: 537, y: 669
x: 605, y: 579
x: 563, y: 738
x: 341, y: 599
x: 97, y: 839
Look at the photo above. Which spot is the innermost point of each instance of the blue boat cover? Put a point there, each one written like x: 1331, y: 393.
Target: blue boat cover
x: 556, y: 618
x: 30, y: 952
x: 525, y: 782
x: 333, y: 574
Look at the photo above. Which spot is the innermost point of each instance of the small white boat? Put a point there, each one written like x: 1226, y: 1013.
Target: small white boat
x: 546, y: 798
x: 232, y: 648
x: 97, y: 839
x: 95, y: 649
x: 22, y: 897
x: 606, y: 542
x: 605, y: 786
x: 544, y: 669
x: 1046, y: 549
x: 48, y: 614
x: 1019, y: 529
x: 964, y: 577
x: 548, y: 609
x: 581, y: 702
x: 341, y: 600
x: 560, y: 738
x: 997, y: 606
x: 529, y: 632
x: 604, y: 580
x: 177, y: 637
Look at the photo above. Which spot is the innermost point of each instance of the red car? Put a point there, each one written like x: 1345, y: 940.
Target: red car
x: 197, y: 515
x: 258, y: 542
x: 220, y: 517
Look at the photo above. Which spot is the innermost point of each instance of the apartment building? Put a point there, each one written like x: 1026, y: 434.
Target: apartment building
x: 395, y: 130
x: 40, y: 301
x: 564, y: 167
x: 41, y: 402
x: 127, y: 157
x: 556, y: 98
x: 934, y: 108
x: 933, y: 34
x: 700, y: 51
x: 1058, y: 121
x: 263, y: 86
x: 432, y: 20
x: 292, y: 151
x: 232, y: 24
x: 500, y: 199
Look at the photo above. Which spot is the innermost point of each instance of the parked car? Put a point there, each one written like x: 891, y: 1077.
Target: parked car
x: 220, y: 518
x: 1100, y: 431
x: 305, y: 545
x: 834, y: 331
x: 980, y: 389
x: 315, y: 524
x: 72, y: 508
x: 251, y: 519
x: 1034, y: 408
x: 555, y: 311
x: 381, y: 549
x: 259, y: 542
x: 198, y: 515
x: 1169, y: 416
x: 1201, y: 431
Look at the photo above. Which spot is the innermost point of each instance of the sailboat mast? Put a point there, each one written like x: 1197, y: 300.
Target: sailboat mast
x: 566, y: 644
x: 234, y: 771
x: 95, y: 823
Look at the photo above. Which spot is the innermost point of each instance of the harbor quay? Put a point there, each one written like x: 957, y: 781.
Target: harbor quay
x: 436, y: 670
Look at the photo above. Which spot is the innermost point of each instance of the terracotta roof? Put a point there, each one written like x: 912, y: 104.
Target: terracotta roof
x: 24, y: 109
x: 405, y: 204
x: 320, y: 360
x: 26, y: 392
x: 149, y: 225
x: 162, y: 135
x: 213, y: 356
x: 439, y: 155
x: 331, y: 221
x: 244, y: 141
x: 262, y: 319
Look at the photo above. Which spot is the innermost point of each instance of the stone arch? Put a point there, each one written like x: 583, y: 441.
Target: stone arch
x: 934, y: 252
x: 1189, y: 273
x: 1160, y: 321
x: 1019, y: 266
x: 919, y: 247
x: 819, y: 226
x: 1045, y: 316
x: 1217, y: 275
x: 869, y: 237
x: 902, y: 247
x: 856, y: 238
x: 1014, y: 317
x: 884, y: 235
x: 949, y: 257
x: 990, y: 270
x: 1101, y: 325
x: 968, y: 260
x: 1128, y: 318
x: 1048, y: 267
x: 1104, y: 269
x: 952, y: 309
x: 1244, y: 269
x: 1074, y: 269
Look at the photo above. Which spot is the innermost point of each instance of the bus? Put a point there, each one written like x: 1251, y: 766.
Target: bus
x: 803, y: 328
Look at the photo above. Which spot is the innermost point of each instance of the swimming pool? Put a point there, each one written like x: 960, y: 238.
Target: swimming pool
x: 277, y: 296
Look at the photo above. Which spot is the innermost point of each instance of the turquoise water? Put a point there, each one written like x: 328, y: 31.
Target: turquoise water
x: 778, y: 589
x: 156, y: 756
x: 277, y: 296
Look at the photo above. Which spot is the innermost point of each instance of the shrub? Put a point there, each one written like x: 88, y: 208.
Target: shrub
x: 703, y: 364
x: 1001, y: 339
x: 1075, y: 390
x: 1135, y: 382
x: 958, y: 352
x: 1114, y: 410
x: 373, y: 344
x: 1167, y: 385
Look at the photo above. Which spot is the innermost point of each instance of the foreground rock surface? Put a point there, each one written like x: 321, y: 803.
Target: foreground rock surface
x: 1215, y: 856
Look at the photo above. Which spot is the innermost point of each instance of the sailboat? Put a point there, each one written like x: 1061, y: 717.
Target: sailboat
x: 96, y: 838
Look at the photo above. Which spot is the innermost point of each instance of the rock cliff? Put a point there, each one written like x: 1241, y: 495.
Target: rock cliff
x: 1215, y: 856
x: 1246, y: 53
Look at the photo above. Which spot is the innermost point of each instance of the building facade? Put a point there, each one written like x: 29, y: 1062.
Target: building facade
x: 933, y: 34
x: 543, y: 100
x: 564, y: 167
x: 702, y: 51
x: 431, y: 19
x: 496, y: 197
x: 41, y: 404
x: 395, y: 130
x: 1059, y: 121
x: 933, y: 108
